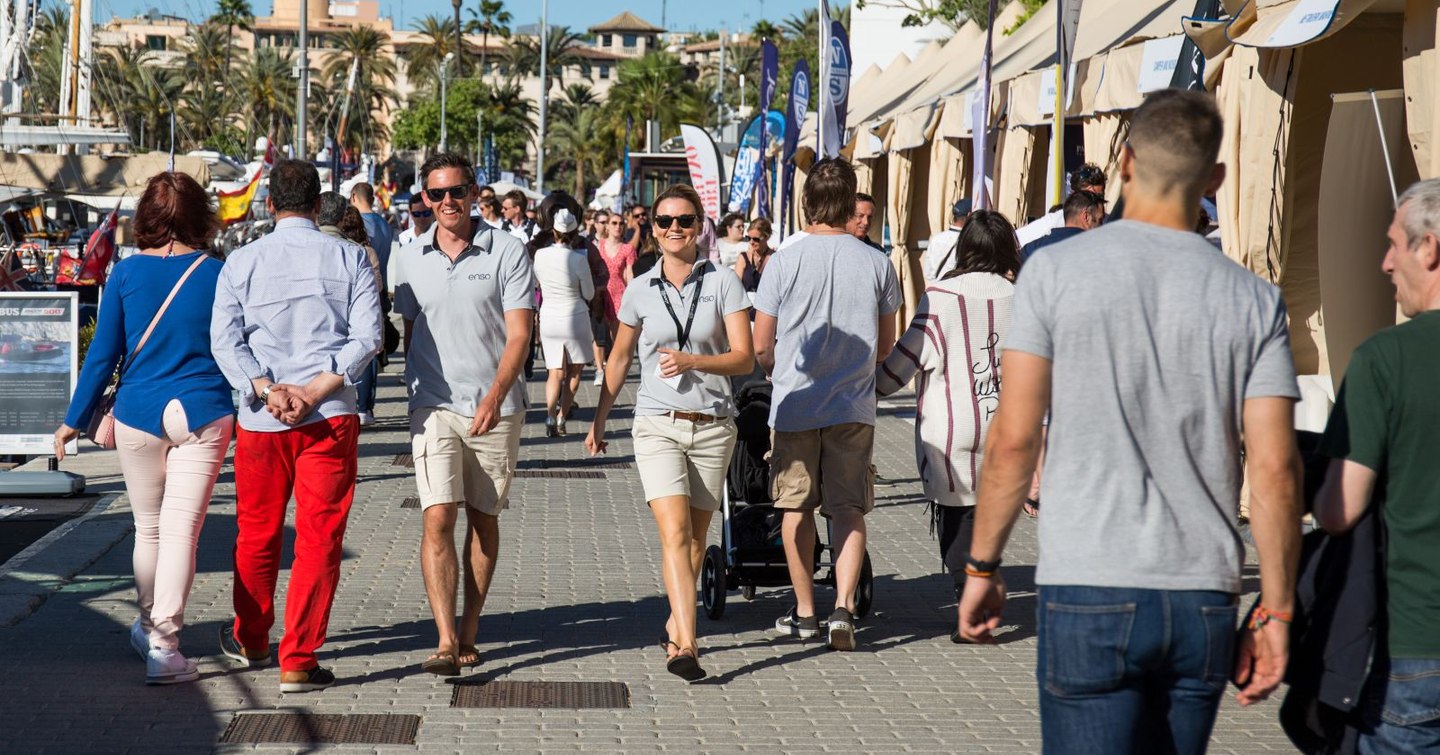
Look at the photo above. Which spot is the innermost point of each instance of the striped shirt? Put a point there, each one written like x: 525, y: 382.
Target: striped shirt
x: 953, y: 349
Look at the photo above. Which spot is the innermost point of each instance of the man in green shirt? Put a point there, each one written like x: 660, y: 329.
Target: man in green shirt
x: 1382, y: 439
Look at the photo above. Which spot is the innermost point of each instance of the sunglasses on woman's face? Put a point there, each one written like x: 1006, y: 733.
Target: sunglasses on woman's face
x: 756, y: 239
x: 665, y: 222
x: 615, y: 221
x: 456, y: 192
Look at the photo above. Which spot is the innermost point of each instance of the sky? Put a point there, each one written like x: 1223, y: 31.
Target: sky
x: 680, y: 15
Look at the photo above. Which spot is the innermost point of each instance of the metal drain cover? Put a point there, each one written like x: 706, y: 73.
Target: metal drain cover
x: 307, y: 728
x: 403, y: 460
x: 410, y: 503
x: 566, y: 695
x: 559, y: 474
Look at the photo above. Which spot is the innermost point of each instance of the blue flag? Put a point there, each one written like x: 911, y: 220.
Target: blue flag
x: 769, y: 79
x: 795, y: 110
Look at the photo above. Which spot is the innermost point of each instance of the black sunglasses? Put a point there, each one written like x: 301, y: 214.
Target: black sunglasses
x: 421, y: 213
x: 664, y: 222
x: 755, y: 239
x: 456, y: 192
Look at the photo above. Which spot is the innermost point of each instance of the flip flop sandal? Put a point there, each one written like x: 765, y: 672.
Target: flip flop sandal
x: 686, y: 666
x: 1031, y: 508
x: 442, y: 664
x: 468, y: 650
x: 666, y: 644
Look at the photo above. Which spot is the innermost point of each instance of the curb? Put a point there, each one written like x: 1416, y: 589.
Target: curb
x: 31, y: 576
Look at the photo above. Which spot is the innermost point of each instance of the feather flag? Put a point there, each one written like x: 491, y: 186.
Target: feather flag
x: 980, y: 120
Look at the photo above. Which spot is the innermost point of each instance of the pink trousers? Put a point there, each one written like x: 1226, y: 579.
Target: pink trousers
x: 169, y: 480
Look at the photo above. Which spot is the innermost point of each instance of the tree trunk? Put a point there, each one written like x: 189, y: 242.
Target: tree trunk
x: 580, y: 180
x: 484, y: 49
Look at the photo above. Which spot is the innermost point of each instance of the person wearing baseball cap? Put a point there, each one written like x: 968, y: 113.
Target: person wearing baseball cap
x: 940, y: 257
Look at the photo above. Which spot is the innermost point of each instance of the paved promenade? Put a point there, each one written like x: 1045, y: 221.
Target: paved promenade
x: 577, y: 597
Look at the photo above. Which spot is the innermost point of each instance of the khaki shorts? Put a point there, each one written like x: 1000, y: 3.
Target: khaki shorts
x: 678, y: 457
x: 828, y: 469
x: 451, y: 466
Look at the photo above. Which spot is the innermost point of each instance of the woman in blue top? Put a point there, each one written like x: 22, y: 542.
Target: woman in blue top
x: 173, y: 412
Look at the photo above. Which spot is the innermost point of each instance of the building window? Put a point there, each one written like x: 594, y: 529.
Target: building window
x: 604, y: 71
x: 155, y: 42
x: 607, y: 40
x: 629, y: 41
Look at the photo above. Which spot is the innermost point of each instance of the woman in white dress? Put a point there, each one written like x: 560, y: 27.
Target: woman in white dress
x: 952, y: 349
x: 566, y: 287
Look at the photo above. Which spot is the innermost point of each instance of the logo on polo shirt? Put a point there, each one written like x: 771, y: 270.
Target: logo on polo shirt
x: 479, y: 276
x: 707, y: 299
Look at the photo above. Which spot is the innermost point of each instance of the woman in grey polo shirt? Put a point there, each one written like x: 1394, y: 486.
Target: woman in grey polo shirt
x: 691, y: 320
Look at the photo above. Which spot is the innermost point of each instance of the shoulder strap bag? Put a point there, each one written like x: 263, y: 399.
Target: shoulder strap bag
x: 101, y: 429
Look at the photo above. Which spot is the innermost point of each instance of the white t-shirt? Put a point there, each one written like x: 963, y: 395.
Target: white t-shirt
x: 791, y: 239
x: 1040, y: 228
x: 940, y: 254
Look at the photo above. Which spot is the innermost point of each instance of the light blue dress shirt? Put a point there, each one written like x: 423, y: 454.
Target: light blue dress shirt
x: 290, y: 306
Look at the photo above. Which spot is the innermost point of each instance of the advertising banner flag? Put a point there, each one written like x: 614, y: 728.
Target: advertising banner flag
x: 1190, y: 66
x: 769, y: 80
x: 795, y: 110
x: 703, y: 158
x: 838, y: 84
x: 980, y: 120
x: 742, y: 179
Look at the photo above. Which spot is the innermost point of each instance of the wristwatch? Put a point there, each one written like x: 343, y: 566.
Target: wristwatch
x: 265, y: 394
x: 982, y: 566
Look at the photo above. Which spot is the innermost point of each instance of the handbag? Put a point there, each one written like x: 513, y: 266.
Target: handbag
x: 101, y: 429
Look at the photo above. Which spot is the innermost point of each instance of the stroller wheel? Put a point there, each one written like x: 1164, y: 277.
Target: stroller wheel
x: 712, y: 582
x: 865, y: 590
x: 748, y: 592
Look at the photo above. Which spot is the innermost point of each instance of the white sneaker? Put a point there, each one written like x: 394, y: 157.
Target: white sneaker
x: 366, y: 419
x: 140, y: 641
x: 599, y: 377
x: 164, y: 666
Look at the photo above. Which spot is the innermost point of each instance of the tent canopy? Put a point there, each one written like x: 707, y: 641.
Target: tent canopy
x: 94, y: 175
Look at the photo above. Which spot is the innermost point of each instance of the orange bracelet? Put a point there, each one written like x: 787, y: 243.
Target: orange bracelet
x: 969, y: 572
x: 1263, y: 616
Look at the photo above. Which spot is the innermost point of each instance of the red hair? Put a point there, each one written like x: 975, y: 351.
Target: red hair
x: 174, y: 208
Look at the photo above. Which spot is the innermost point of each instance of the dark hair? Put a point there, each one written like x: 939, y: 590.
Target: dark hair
x: 1175, y: 139
x: 174, y: 207
x: 987, y: 245
x: 332, y: 208
x: 830, y: 193
x: 294, y: 187
x: 680, y: 191
x: 352, y: 226
x: 518, y: 198
x: 730, y: 219
x: 1088, y: 174
x: 545, y: 234
x: 1083, y: 201
x: 489, y: 188
x: 861, y: 196
x: 762, y: 225
x: 364, y: 192
x: 443, y: 160
x: 490, y: 203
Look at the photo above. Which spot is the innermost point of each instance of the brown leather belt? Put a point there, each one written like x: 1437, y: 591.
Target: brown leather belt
x: 695, y: 417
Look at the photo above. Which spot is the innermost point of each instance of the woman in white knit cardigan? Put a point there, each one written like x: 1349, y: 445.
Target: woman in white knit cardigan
x: 953, y: 345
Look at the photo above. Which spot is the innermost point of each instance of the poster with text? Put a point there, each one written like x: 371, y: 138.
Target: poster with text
x: 38, y: 365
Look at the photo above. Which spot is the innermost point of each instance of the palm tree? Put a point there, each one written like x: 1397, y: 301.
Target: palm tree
x: 267, y: 92
x: 204, y: 111
x: 207, y: 50
x: 523, y: 55
x: 578, y: 140
x: 653, y: 87
x: 492, y: 18
x: 766, y: 30
x: 423, y: 59
x: 46, y: 62
x: 368, y: 52
x: 230, y: 14
x: 575, y: 99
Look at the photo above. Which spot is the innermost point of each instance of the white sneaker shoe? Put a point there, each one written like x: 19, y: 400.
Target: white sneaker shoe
x: 164, y: 666
x: 366, y: 419
x: 140, y: 641
x: 599, y: 377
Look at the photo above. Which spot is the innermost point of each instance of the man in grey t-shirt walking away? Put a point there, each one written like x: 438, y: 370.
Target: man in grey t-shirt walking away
x: 826, y: 307
x: 1153, y: 354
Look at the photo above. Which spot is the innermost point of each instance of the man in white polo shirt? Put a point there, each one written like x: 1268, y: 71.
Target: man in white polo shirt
x: 466, y: 293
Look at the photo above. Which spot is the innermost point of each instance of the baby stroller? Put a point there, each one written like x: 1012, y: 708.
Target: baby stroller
x: 750, y: 553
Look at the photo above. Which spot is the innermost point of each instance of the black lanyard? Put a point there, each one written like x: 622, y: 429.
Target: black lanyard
x: 682, y: 333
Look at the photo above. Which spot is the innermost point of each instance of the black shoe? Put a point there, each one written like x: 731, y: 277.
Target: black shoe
x: 317, y: 678
x: 795, y: 625
x: 232, y: 648
x: 842, y: 630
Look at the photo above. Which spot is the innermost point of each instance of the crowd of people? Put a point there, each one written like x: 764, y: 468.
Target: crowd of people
x: 1135, y: 358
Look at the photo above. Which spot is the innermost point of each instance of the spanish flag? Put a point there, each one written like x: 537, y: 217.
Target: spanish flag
x: 235, y: 205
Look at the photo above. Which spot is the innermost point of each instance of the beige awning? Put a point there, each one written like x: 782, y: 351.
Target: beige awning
x: 91, y: 174
x: 1292, y: 23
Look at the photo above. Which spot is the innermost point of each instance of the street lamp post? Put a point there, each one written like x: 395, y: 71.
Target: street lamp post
x: 544, y: 95
x: 444, y: 76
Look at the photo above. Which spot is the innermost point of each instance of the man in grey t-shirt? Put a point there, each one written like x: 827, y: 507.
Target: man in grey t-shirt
x: 466, y: 293
x: 1152, y: 353
x: 825, y: 315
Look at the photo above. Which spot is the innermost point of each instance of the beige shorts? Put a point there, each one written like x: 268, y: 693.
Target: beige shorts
x: 451, y: 466
x: 678, y: 457
x: 828, y: 469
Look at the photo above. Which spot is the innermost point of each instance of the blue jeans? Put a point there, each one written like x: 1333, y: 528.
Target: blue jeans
x: 365, y: 388
x: 1405, y: 717
x: 1132, y: 671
